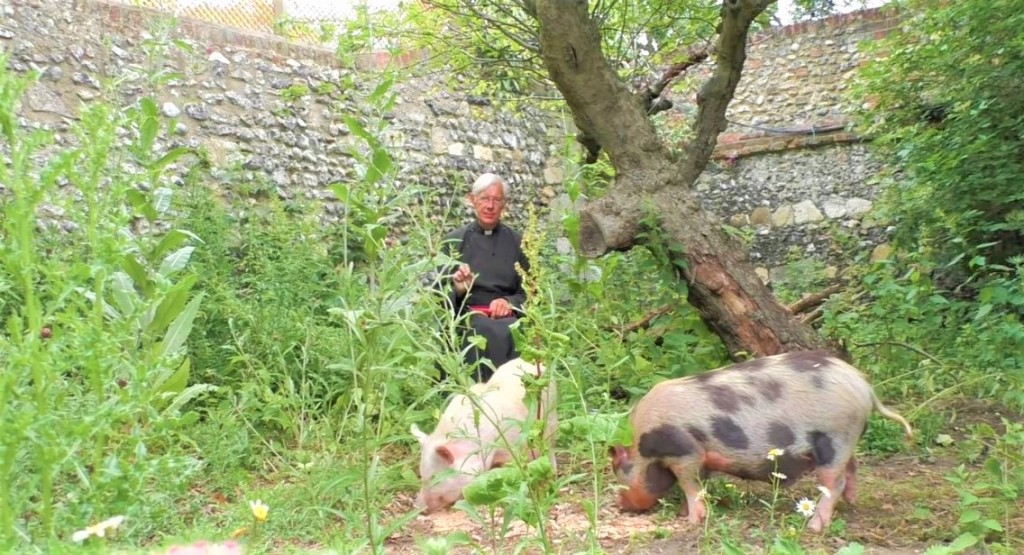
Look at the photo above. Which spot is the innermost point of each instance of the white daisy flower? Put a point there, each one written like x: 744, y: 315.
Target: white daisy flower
x: 805, y: 507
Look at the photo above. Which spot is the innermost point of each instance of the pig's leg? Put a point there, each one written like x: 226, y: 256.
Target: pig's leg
x: 832, y: 454
x: 835, y: 480
x: 850, y: 491
x: 686, y: 475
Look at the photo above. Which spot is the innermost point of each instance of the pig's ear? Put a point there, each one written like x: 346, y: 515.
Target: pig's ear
x: 619, y: 455
x: 445, y: 453
x: 418, y: 433
x: 501, y: 458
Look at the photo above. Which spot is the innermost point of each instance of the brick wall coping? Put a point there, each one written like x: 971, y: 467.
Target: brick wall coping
x: 748, y: 145
x: 883, y: 15
x: 213, y: 36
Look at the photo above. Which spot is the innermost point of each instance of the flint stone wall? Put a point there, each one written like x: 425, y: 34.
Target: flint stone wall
x: 233, y: 100
x: 786, y: 170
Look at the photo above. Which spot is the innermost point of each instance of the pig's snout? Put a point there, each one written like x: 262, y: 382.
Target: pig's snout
x: 630, y: 503
x: 432, y: 503
x: 428, y: 504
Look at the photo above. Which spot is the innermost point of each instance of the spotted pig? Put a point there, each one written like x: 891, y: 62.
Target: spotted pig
x: 475, y: 432
x: 811, y: 405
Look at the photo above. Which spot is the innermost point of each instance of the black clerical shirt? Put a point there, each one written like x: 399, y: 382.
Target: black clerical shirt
x: 492, y: 256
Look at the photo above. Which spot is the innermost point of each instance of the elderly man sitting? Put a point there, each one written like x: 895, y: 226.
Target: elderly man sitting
x: 487, y: 283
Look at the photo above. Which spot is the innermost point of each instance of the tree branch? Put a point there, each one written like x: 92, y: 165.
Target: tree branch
x: 604, y: 110
x: 694, y: 57
x: 652, y: 96
x: 716, y: 94
x: 642, y: 323
x: 814, y: 299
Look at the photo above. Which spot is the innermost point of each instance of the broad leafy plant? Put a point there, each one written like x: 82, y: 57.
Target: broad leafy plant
x: 97, y: 304
x: 953, y: 124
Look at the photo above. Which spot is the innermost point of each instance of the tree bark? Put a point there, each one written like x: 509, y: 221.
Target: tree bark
x: 723, y: 287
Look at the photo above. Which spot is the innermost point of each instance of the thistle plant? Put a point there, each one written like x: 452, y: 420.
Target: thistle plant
x: 96, y: 307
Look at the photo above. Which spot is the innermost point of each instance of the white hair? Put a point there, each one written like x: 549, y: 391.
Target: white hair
x: 488, y: 180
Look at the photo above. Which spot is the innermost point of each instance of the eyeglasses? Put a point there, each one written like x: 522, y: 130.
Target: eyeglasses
x: 491, y: 200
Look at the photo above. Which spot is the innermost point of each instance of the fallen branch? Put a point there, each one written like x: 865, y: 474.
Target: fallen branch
x: 644, y: 322
x: 814, y: 299
x: 812, y: 316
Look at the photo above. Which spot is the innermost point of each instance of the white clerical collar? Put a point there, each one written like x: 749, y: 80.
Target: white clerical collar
x: 487, y: 232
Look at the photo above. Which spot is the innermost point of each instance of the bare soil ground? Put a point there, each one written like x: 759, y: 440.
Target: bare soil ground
x: 904, y: 505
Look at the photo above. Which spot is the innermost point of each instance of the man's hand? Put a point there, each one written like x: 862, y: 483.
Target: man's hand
x: 463, y: 279
x: 500, y: 308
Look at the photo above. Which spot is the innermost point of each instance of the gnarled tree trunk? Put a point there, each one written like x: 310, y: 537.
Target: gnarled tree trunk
x: 723, y: 286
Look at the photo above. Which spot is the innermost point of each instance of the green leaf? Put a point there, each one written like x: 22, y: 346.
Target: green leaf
x: 171, y: 305
x: 162, y: 199
x: 491, y: 486
x: 601, y: 428
x: 341, y: 191
x: 378, y: 167
x: 172, y: 240
x: 962, y: 542
x: 187, y: 395
x: 851, y: 549
x: 149, y: 127
x: 148, y: 106
x: 179, y: 329
x: 994, y: 467
x: 540, y: 469
x: 138, y: 273
x: 382, y: 88
x: 969, y: 516
x: 175, y: 261
x: 123, y: 290
x: 141, y: 204
x: 169, y: 157
x: 357, y: 129
x: 109, y: 311
x: 730, y: 548
x: 992, y: 524
x: 176, y: 382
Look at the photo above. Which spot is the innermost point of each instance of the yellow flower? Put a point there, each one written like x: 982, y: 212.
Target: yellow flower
x: 805, y: 507
x: 775, y: 453
x: 259, y: 510
x: 825, y: 491
x: 98, y: 530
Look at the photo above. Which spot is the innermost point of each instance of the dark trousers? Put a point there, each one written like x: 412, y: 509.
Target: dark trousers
x: 499, y: 348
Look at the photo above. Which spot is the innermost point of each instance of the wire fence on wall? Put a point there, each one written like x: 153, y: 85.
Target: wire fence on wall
x: 304, y: 20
